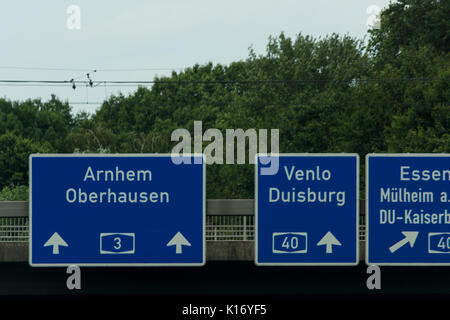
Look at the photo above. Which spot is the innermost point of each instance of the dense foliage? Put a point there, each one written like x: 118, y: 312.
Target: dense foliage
x: 333, y: 94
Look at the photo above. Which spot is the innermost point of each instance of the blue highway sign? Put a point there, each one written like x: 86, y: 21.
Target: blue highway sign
x: 307, y: 209
x: 408, y: 209
x: 117, y: 210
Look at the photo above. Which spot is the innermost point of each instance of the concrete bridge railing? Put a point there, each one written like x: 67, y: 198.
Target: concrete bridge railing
x: 229, y: 230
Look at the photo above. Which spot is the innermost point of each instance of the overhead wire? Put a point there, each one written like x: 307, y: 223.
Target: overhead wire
x: 149, y: 82
x: 90, y: 83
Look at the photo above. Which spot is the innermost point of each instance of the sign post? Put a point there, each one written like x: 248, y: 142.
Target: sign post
x: 117, y: 210
x: 307, y: 211
x: 408, y: 209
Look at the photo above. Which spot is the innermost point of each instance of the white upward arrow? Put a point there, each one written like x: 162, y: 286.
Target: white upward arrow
x: 410, y: 236
x: 56, y: 241
x: 178, y: 241
x: 329, y: 240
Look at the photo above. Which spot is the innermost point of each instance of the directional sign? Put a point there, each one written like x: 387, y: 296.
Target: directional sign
x: 307, y: 209
x: 117, y: 210
x: 408, y: 209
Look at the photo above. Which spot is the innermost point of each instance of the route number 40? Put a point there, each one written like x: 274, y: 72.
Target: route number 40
x: 291, y: 243
x: 444, y: 243
x: 439, y: 242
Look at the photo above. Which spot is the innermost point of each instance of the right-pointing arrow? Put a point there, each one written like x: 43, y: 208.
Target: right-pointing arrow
x: 329, y: 240
x: 410, y: 236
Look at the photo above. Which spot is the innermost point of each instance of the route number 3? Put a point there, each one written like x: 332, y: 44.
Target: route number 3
x: 118, y: 243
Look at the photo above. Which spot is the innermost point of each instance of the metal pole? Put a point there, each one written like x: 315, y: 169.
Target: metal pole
x: 245, y: 228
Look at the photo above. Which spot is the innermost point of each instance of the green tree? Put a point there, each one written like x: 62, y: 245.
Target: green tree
x: 14, y: 153
x: 14, y: 193
x: 411, y: 24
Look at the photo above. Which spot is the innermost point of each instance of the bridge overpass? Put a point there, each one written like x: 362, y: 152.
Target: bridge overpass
x: 229, y: 270
x: 229, y: 230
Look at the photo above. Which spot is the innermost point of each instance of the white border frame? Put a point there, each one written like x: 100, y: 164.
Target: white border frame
x: 122, y: 155
x: 430, y: 234
x: 305, y: 234
x: 355, y: 155
x: 395, y: 155
x: 105, y: 234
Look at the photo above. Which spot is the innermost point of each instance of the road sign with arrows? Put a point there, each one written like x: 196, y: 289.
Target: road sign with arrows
x: 117, y: 210
x: 55, y: 241
x: 408, y: 209
x: 178, y: 241
x: 329, y: 240
x: 410, y: 237
x: 307, y: 210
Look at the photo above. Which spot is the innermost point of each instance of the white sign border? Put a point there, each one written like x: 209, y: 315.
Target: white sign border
x: 395, y: 155
x: 357, y: 210
x: 111, y: 155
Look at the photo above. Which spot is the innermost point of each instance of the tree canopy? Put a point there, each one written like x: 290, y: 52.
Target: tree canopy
x: 331, y: 94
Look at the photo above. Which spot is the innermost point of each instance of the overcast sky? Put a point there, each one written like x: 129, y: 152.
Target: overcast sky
x: 151, y: 34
